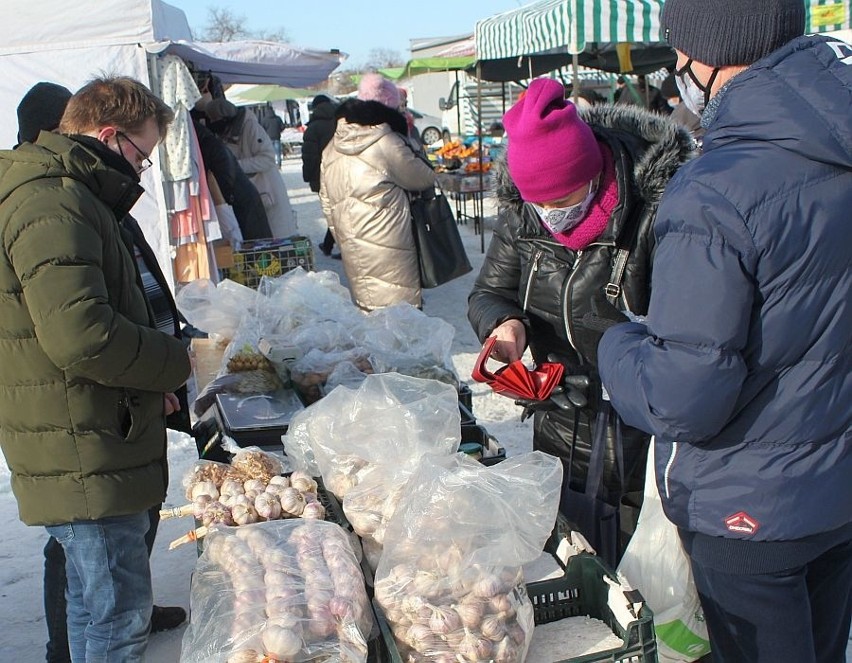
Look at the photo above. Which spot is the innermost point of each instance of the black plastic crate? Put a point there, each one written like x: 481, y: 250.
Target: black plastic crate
x: 269, y: 257
x: 466, y: 397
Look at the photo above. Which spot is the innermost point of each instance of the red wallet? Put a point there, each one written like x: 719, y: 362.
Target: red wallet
x: 515, y: 380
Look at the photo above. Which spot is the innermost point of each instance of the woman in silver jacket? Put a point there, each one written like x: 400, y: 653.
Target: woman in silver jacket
x: 367, y: 170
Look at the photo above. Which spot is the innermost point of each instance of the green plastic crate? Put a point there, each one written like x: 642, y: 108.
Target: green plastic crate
x: 582, y: 591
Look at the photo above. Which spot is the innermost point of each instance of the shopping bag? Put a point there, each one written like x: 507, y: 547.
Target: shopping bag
x: 587, y: 509
x: 439, y: 246
x: 655, y: 563
x: 515, y: 380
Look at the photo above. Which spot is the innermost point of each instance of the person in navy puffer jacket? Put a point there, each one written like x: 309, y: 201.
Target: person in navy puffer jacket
x: 743, y: 367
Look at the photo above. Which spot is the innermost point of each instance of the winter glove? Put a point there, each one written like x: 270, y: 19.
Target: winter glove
x: 603, y: 316
x: 570, y: 394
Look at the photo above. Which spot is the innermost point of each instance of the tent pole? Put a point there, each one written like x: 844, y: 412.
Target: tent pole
x: 481, y: 212
x: 575, y: 77
x: 458, y: 104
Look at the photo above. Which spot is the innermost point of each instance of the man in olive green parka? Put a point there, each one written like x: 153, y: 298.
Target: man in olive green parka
x: 83, y: 370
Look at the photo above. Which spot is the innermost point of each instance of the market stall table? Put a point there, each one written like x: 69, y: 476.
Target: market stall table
x: 464, y: 188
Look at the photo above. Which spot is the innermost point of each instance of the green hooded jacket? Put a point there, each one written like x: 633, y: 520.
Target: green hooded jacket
x: 82, y: 370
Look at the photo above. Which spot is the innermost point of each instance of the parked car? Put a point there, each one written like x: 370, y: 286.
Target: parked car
x: 429, y: 126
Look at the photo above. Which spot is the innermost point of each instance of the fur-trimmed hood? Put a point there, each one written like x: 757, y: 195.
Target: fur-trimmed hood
x: 657, y: 146
x: 370, y: 114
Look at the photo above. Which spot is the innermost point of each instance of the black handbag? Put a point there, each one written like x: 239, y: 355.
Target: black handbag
x: 439, y: 245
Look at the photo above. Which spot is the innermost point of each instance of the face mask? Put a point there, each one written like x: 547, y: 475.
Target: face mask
x: 562, y: 219
x: 695, y: 95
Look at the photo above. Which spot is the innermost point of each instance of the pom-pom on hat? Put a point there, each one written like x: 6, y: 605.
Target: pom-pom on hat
x: 41, y: 109
x: 551, y: 151
x: 374, y: 87
x: 731, y: 32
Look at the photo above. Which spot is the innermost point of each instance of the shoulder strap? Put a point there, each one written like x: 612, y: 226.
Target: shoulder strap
x: 616, y: 276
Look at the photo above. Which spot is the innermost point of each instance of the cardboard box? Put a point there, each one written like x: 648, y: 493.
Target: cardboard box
x: 224, y: 253
x: 207, y: 355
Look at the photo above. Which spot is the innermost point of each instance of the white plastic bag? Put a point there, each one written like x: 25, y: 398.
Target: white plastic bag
x: 657, y: 566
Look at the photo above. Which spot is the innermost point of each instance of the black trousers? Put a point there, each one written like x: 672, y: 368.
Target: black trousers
x: 799, y: 615
x: 55, y: 582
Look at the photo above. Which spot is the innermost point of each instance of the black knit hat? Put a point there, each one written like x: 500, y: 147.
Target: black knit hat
x: 731, y: 32
x: 320, y: 99
x: 41, y: 109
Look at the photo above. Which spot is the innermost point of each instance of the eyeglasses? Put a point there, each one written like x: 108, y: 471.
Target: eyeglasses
x: 146, y: 159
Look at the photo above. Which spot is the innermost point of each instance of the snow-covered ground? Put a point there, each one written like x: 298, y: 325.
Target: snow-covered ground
x: 23, y: 634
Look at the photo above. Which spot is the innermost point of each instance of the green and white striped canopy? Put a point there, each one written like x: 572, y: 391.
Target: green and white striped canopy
x: 827, y: 15
x: 563, y: 26
x: 566, y: 25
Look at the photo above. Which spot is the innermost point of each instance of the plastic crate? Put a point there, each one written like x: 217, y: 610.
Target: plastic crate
x: 466, y: 397
x: 582, y: 591
x: 269, y: 257
x: 493, y: 452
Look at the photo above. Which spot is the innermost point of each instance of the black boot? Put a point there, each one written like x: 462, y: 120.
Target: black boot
x: 166, y: 618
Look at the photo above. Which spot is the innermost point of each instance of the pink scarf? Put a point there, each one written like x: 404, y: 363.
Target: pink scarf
x: 597, y: 218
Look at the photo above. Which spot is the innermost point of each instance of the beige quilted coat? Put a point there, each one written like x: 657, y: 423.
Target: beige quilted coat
x: 365, y: 176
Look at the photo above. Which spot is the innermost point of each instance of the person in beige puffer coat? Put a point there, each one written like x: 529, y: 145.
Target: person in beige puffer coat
x: 368, y: 169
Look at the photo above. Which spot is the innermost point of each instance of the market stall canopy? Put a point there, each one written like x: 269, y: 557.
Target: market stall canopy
x: 550, y: 31
x: 255, y: 61
x: 241, y: 93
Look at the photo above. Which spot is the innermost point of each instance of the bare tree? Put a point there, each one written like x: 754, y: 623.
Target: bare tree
x: 225, y: 25
x: 382, y: 58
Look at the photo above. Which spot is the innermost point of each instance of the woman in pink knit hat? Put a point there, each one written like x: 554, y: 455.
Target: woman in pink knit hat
x: 367, y: 170
x: 571, y: 250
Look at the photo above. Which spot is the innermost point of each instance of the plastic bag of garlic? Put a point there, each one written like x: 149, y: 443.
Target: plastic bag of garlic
x: 278, y: 591
x: 450, y: 578
x: 389, y: 419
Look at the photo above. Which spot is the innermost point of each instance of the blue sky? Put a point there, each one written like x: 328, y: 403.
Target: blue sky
x: 354, y: 26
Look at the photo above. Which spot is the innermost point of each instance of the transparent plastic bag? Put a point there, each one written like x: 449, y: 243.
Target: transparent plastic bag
x: 405, y: 340
x: 289, y: 590
x: 309, y: 373
x: 215, y: 309
x: 656, y: 563
x: 450, y: 579
x: 388, y: 419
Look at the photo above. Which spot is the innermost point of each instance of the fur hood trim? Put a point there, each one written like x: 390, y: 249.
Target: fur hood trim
x: 370, y: 114
x: 668, y: 147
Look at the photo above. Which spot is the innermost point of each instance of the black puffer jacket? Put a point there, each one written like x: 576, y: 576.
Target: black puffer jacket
x: 528, y: 275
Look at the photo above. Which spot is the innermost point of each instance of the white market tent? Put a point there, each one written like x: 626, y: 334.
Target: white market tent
x: 69, y: 43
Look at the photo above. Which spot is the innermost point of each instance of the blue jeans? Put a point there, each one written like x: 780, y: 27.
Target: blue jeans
x: 54, y: 591
x: 276, y: 144
x: 109, y: 588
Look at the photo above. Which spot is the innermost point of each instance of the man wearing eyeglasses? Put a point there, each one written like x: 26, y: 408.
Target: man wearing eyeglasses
x: 83, y: 368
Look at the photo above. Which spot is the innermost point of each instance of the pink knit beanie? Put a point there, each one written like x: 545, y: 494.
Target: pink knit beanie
x: 551, y: 152
x: 374, y: 87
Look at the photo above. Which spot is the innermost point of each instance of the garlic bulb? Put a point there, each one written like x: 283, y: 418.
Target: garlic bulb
x: 292, y: 501
x: 280, y: 642
x: 267, y: 506
x: 231, y: 487
x: 243, y: 514
x: 203, y: 488
x: 444, y: 620
x: 506, y: 651
x: 475, y: 648
x: 279, y: 480
x: 493, y: 628
x: 254, y: 485
x: 314, y: 511
x: 199, y: 504
x: 470, y: 612
x: 487, y: 586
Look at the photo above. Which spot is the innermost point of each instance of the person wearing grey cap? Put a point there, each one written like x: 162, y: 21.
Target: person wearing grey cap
x: 742, y: 368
